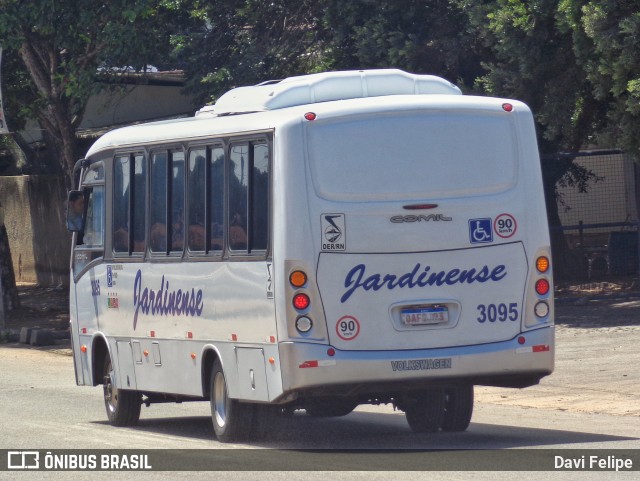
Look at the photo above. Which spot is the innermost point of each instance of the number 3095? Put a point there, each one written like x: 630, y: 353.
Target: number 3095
x: 497, y: 312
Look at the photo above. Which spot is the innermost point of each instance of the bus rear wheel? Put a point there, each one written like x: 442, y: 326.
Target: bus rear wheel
x: 425, y: 412
x: 458, y: 408
x: 123, y: 407
x: 231, y: 418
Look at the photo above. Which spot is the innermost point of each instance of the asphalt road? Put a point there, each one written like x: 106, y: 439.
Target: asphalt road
x: 42, y: 408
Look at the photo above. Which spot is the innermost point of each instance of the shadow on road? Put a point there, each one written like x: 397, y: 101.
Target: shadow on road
x: 363, y: 430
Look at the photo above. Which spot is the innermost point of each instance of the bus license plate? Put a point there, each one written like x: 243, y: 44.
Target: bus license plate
x: 420, y: 315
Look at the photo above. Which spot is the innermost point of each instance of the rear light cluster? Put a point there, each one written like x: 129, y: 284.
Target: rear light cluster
x: 301, y: 301
x: 542, y: 287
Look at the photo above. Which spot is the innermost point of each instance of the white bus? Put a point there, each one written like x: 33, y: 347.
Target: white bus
x: 315, y: 243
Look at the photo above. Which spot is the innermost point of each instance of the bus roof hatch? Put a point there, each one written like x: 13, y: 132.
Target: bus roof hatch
x: 325, y: 87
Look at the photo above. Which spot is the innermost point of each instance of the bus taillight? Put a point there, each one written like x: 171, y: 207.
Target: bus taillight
x: 542, y: 287
x: 298, y: 278
x: 542, y: 264
x: 301, y: 301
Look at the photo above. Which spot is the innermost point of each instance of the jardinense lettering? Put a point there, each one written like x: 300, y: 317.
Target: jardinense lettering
x: 165, y: 302
x: 358, y: 278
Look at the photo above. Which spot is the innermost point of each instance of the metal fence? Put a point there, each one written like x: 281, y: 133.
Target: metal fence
x: 601, y: 226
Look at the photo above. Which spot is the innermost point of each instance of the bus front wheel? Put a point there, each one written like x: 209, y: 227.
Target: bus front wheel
x: 425, y: 412
x: 231, y: 418
x: 123, y: 407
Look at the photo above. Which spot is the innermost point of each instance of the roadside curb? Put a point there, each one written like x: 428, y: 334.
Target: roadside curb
x: 584, y: 300
x: 35, y: 337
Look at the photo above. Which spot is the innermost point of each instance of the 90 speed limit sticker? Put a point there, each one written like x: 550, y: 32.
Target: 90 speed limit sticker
x: 505, y: 225
x: 347, y: 328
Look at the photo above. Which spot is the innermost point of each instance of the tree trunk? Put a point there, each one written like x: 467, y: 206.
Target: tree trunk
x: 57, y: 118
x: 8, y: 291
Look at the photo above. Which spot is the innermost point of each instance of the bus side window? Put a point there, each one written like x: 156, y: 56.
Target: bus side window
x: 238, y: 191
x: 176, y: 190
x: 196, y: 206
x: 94, y: 221
x: 139, y: 198
x: 216, y: 200
x: 121, y: 205
x: 158, y: 204
x: 260, y: 197
x: 129, y: 187
x: 249, y: 196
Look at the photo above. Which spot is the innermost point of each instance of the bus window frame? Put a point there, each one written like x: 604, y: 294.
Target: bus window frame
x: 208, y: 253
x: 168, y: 149
x: 248, y: 253
x: 224, y: 143
x: 129, y: 254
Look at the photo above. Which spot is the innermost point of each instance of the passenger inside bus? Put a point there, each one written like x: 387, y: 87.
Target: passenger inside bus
x: 237, y: 232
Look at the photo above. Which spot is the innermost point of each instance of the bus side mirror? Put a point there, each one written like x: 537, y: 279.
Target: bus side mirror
x: 75, y: 211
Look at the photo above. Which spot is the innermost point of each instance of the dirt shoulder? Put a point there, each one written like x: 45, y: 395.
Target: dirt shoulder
x: 597, y: 359
x: 40, y: 307
x: 597, y: 355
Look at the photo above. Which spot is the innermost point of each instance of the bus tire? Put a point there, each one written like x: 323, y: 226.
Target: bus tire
x: 123, y: 406
x: 329, y: 407
x: 231, y: 418
x: 458, y: 408
x: 425, y: 413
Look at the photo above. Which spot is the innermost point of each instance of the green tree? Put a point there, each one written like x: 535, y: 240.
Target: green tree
x: 532, y: 58
x: 605, y: 37
x: 243, y: 42
x: 66, y: 45
x: 421, y: 37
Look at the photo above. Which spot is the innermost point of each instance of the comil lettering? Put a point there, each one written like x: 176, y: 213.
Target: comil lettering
x: 418, y: 277
x: 165, y: 302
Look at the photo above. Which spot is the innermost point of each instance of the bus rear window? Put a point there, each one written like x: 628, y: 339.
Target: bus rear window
x: 398, y: 157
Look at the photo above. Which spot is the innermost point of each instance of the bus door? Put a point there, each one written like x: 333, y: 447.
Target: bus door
x: 86, y: 218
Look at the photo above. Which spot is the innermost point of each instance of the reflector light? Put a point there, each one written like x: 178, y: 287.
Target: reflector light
x: 541, y: 309
x: 303, y: 324
x: 301, y: 301
x: 193, y: 355
x: 83, y: 348
x: 542, y: 264
x: 307, y: 364
x: 419, y: 206
x: 507, y: 107
x: 542, y: 287
x: 521, y: 340
x: 272, y: 360
x: 310, y: 116
x: 298, y: 278
x: 331, y: 352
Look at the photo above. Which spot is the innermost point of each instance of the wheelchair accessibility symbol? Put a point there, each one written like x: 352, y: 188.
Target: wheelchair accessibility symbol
x: 480, y: 231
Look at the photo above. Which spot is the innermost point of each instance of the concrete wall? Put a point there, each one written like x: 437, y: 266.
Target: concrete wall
x: 33, y: 211
x: 131, y: 103
x: 610, y: 199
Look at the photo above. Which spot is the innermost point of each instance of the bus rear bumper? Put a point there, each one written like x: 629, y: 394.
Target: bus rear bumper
x: 309, y: 368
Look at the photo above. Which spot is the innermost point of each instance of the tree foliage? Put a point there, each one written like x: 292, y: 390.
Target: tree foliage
x: 605, y: 40
x: 66, y: 46
x: 414, y: 35
x: 243, y: 42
